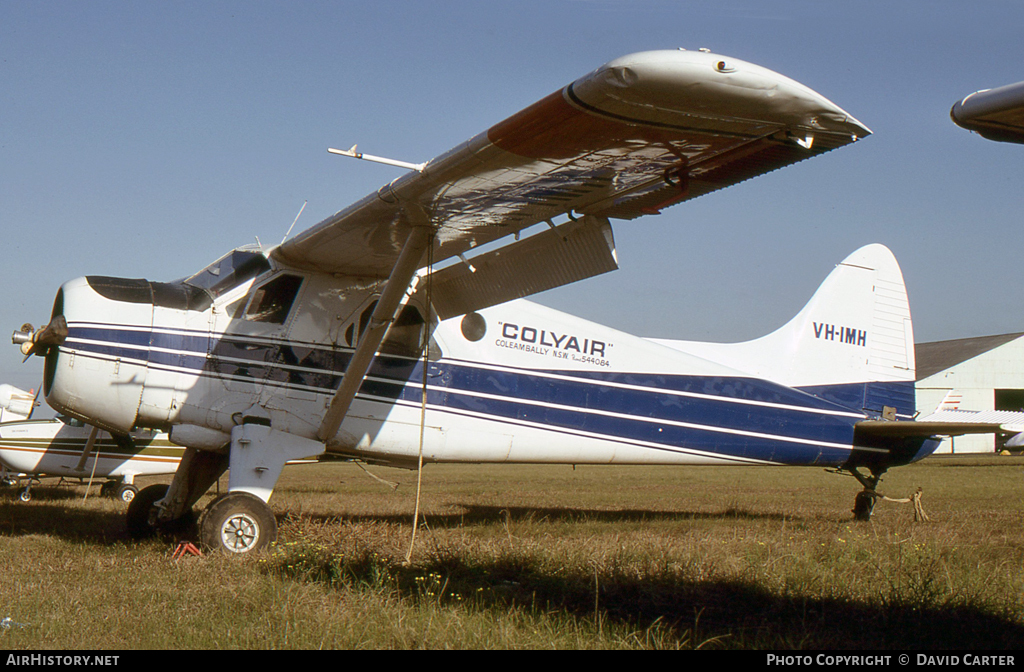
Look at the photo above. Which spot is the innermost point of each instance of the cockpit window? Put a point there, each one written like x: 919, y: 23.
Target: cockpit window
x: 272, y: 301
x: 229, y: 271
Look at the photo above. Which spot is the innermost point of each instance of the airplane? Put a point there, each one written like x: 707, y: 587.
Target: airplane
x: 15, y: 403
x: 67, y: 448
x: 372, y: 335
x: 996, y: 114
x: 1008, y: 423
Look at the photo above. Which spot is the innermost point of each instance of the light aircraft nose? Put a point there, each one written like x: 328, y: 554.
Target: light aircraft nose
x: 679, y: 88
x: 112, y: 336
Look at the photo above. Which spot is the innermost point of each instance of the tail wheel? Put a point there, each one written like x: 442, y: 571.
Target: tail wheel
x: 237, y: 522
x: 863, y: 505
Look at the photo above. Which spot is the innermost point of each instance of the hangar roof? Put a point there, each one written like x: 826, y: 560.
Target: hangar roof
x: 941, y: 355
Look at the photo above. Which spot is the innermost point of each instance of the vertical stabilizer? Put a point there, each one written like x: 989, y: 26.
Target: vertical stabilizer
x: 856, y: 329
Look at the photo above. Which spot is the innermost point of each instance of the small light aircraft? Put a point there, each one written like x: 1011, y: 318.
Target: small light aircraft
x: 373, y: 336
x: 15, y: 404
x: 1010, y: 424
x: 67, y: 448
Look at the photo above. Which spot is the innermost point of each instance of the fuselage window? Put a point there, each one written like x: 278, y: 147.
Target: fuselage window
x: 405, y: 337
x: 272, y: 302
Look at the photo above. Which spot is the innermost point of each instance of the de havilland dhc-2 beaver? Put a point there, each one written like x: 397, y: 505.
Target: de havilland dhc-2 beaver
x: 354, y: 339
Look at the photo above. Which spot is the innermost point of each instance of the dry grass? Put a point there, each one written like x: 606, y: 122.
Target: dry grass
x: 543, y: 557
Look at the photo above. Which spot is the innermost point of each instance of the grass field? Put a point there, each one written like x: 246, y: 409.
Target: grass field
x: 542, y: 557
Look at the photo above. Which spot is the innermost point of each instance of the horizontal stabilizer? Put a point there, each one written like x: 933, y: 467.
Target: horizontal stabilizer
x: 887, y: 429
x: 572, y: 251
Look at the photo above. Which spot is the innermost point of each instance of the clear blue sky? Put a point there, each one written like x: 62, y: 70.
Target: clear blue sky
x: 144, y: 139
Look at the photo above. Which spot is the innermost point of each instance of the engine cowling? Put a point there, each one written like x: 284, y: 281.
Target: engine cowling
x: 98, y: 372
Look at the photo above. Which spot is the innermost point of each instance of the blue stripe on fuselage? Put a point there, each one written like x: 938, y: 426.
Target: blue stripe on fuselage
x: 723, y: 417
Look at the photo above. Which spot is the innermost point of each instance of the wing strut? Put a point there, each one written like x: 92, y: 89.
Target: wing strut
x: 93, y: 433
x: 419, y: 239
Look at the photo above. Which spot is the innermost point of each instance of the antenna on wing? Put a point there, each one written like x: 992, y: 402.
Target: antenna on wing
x: 418, y: 167
x: 289, y: 231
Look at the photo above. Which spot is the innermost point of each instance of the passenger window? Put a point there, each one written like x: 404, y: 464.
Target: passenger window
x: 405, y: 337
x: 272, y: 301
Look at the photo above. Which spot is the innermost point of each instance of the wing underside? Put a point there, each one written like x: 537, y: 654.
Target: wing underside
x: 639, y: 134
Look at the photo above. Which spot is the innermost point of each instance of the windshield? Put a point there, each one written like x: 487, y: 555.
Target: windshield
x: 229, y: 271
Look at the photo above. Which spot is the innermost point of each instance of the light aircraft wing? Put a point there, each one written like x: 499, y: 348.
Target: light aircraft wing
x: 634, y: 136
x: 996, y: 114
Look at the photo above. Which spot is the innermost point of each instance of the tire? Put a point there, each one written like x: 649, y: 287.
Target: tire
x: 863, y: 505
x: 25, y: 495
x: 137, y: 518
x: 126, y: 493
x: 237, y: 523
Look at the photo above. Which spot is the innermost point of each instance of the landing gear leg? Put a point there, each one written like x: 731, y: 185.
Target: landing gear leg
x: 168, y: 509
x: 864, y: 503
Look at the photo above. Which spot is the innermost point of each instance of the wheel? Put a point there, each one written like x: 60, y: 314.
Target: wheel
x: 126, y: 493
x: 25, y: 494
x: 138, y: 521
x: 237, y: 522
x: 863, y: 505
x: 137, y: 518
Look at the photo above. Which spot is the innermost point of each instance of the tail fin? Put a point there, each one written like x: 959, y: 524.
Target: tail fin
x: 853, y: 342
x: 856, y: 328
x: 951, y: 402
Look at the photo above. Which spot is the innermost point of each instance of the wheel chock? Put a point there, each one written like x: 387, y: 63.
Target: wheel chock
x: 186, y: 548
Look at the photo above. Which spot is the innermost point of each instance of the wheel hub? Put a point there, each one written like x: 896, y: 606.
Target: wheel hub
x: 240, y: 533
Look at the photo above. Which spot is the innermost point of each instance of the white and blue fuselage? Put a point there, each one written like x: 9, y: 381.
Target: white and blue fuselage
x: 516, y: 382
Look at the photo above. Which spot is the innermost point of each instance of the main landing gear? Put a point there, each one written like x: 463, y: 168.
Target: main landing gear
x: 119, y: 490
x: 239, y: 522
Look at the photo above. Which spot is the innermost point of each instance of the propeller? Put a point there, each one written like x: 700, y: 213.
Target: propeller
x: 39, y: 342
x: 35, y: 401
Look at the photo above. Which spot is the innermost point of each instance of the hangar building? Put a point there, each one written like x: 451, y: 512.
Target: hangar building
x: 986, y: 371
